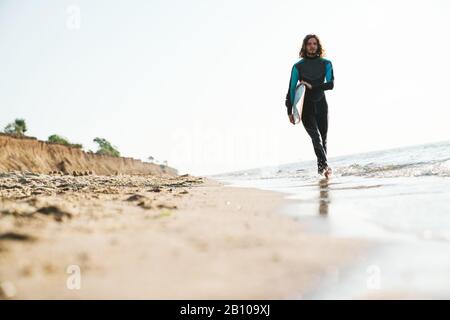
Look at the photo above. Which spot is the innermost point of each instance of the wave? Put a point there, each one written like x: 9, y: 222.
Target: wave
x: 439, y: 168
x: 413, y: 161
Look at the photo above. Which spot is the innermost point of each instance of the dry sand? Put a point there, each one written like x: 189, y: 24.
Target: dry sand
x: 154, y: 237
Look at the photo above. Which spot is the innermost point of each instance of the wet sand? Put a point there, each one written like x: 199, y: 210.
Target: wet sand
x: 155, y: 237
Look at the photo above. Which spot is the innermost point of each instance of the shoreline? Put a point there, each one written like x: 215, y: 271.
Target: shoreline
x: 149, y: 237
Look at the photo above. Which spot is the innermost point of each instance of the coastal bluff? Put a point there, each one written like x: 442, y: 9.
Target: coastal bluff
x: 30, y: 154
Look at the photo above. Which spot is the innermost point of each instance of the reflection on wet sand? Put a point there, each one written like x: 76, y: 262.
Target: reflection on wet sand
x: 324, y: 190
x: 324, y: 197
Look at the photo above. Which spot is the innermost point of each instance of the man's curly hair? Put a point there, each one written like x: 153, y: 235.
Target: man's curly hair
x: 320, y: 50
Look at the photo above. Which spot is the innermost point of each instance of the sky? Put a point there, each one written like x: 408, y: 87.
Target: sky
x: 201, y: 84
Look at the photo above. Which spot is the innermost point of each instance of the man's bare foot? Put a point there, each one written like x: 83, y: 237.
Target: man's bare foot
x: 327, y: 172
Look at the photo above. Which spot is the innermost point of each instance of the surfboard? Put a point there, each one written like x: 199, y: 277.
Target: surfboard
x: 297, y: 107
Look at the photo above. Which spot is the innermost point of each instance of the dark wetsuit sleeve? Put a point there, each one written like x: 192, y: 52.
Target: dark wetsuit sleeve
x: 290, y: 96
x: 329, y: 77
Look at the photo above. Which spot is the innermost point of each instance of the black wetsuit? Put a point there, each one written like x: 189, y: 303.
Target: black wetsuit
x: 315, y: 108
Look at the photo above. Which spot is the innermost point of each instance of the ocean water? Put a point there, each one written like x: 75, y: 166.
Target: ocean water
x: 397, y: 199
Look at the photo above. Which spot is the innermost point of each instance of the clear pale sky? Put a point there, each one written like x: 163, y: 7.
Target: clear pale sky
x: 202, y: 83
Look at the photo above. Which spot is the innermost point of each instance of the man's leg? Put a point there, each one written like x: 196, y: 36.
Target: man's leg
x: 311, y: 126
x: 322, y: 121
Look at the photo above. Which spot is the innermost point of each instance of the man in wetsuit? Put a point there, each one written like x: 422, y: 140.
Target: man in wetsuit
x: 311, y: 70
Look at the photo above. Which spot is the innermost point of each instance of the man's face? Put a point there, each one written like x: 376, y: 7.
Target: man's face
x: 311, y: 46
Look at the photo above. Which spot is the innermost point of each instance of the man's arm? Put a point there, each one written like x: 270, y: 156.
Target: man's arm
x: 290, y: 96
x: 329, y: 77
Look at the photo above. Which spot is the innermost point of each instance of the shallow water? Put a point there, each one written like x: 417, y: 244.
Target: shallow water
x: 398, y: 198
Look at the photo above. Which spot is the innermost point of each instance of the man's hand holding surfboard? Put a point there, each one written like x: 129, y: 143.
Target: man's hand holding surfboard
x: 308, y: 85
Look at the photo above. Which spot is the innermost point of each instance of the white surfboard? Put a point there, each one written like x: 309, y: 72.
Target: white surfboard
x: 297, y: 107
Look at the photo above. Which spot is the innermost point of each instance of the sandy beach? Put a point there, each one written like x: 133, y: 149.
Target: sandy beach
x: 154, y: 237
